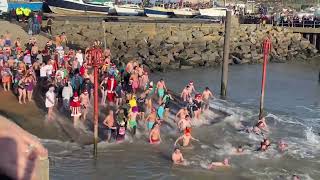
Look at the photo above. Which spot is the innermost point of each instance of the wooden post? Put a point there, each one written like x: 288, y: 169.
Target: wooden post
x: 315, y: 38
x: 266, y: 50
x: 226, y: 51
x: 104, y: 35
x: 42, y: 169
x: 308, y: 37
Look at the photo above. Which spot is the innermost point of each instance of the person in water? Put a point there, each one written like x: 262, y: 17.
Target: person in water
x: 109, y: 123
x: 181, y: 114
x: 161, y: 87
x: 238, y: 151
x: 224, y: 163
x: 185, y: 94
x: 185, y: 138
x: 154, y: 137
x: 133, y: 120
x: 264, y: 145
x: 282, y: 146
x: 151, y: 119
x: 161, y: 111
x: 177, y: 157
x: 262, y: 125
x: 184, y: 123
x: 206, y: 96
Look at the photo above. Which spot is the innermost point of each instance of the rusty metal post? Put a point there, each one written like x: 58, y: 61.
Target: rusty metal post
x: 96, y: 110
x: 266, y: 50
x: 226, y: 51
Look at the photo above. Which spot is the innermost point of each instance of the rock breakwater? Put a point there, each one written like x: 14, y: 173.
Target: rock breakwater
x: 172, y: 46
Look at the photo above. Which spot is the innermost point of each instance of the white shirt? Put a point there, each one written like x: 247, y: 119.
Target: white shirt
x: 43, y: 71
x: 79, y: 57
x: 50, y: 98
x: 49, y: 69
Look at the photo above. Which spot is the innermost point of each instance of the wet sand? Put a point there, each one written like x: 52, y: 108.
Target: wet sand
x: 17, y: 31
x: 28, y: 116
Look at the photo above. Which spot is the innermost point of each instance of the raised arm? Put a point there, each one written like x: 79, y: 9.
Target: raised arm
x: 179, y: 138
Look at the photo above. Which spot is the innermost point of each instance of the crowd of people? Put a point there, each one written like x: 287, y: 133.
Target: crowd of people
x: 65, y: 76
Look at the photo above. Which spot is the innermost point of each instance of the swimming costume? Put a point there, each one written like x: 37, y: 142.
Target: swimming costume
x: 133, y: 123
x: 150, y: 125
x: 160, y: 112
x: 161, y: 92
x: 135, y: 84
x: 155, y: 141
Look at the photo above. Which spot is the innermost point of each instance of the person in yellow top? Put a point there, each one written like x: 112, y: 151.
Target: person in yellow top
x: 133, y: 102
x: 26, y: 12
x: 19, y: 13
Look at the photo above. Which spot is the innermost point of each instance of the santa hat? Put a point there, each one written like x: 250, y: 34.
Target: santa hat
x: 75, y: 97
x: 85, y: 91
x: 191, y: 82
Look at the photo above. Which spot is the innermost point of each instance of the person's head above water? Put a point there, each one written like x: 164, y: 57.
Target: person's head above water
x: 177, y: 150
x: 240, y: 149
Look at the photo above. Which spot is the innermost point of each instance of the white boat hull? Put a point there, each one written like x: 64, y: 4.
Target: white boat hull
x: 182, y: 13
x: 122, y: 11
x: 59, y: 10
x: 213, y: 12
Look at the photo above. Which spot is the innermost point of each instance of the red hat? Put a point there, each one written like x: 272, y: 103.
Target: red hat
x: 85, y: 91
x: 75, y: 96
x: 191, y: 82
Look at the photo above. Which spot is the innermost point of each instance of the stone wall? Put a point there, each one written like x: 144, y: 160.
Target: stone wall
x: 172, y: 45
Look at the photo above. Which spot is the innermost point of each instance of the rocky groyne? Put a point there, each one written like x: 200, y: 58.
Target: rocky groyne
x: 173, y: 46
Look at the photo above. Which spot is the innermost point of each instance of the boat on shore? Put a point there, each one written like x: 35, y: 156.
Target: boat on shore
x: 34, y: 6
x: 80, y: 7
x: 185, y: 13
x: 214, y: 12
x: 128, y: 10
x: 158, y: 12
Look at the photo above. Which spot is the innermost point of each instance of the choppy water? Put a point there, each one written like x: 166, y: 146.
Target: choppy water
x: 293, y: 114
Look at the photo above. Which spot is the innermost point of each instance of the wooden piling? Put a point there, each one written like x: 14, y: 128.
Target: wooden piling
x: 226, y: 51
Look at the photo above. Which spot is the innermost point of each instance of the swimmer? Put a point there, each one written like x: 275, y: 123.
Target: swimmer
x: 182, y: 114
x: 263, y: 147
x: 262, y: 124
x: 238, y: 151
x: 184, y: 123
x: 296, y: 177
x: 177, y: 157
x: 161, y: 87
x: 154, y: 137
x: 224, y: 163
x: 151, y: 119
x: 186, y: 137
x: 185, y: 94
x: 282, y: 146
x: 206, y: 95
x: 192, y: 89
x: 109, y: 123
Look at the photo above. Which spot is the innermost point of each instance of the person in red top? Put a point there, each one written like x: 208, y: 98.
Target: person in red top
x: 83, y: 69
x: 75, y: 107
x: 111, y: 86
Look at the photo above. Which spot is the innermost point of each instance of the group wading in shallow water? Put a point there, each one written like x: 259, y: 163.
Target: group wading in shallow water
x: 128, y: 97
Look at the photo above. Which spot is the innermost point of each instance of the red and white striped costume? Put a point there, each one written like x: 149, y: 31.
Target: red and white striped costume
x: 75, y: 106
